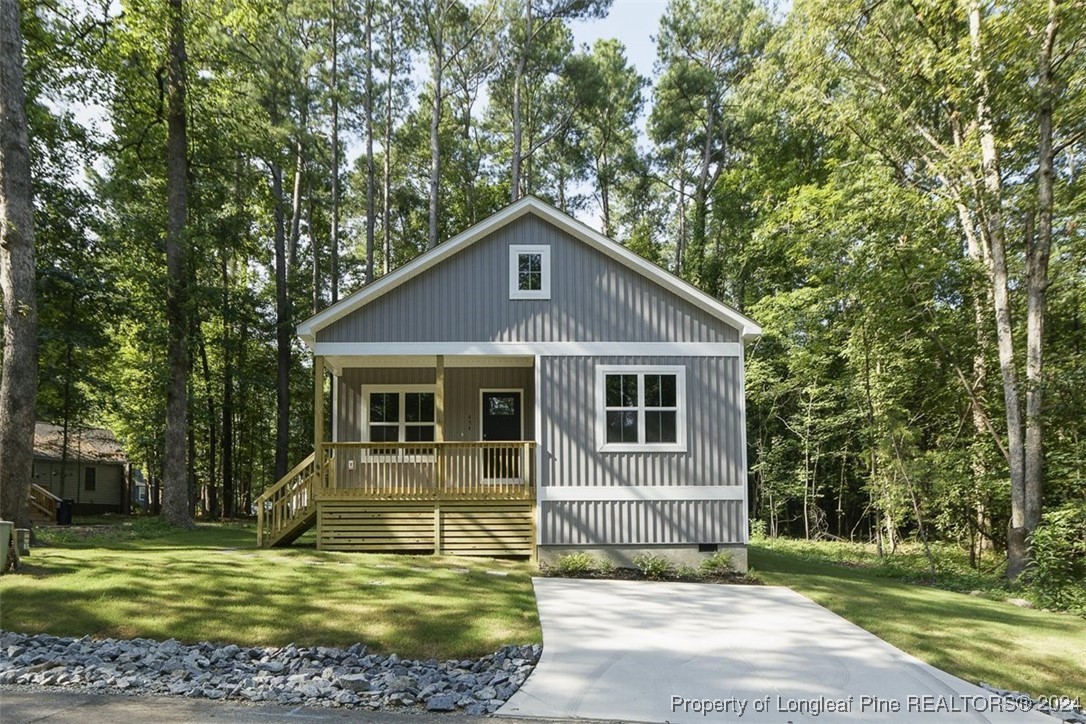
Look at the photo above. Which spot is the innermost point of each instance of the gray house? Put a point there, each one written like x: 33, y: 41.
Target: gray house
x: 528, y: 387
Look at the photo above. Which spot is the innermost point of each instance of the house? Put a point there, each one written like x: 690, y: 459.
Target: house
x: 92, y: 474
x: 529, y: 387
x: 140, y: 498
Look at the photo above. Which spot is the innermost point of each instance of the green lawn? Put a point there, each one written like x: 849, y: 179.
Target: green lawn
x: 972, y: 637
x: 139, y: 578
x: 144, y: 580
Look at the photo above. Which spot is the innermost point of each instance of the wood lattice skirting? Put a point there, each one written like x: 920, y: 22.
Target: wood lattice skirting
x: 469, y: 528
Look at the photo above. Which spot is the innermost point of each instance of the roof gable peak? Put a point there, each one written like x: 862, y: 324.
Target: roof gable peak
x: 308, y: 329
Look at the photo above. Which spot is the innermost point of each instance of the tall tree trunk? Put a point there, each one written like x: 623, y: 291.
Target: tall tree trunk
x: 518, y: 121
x: 213, y: 507
x: 386, y: 175
x: 370, y: 171
x: 67, y: 422
x: 334, y: 237
x: 680, y: 245
x: 18, y: 389
x: 695, y: 252
x: 20, y: 383
x: 1037, y: 255
x: 995, y: 236
x: 435, y: 125
x: 605, y: 206
x: 296, y: 196
x: 227, y: 400
x: 282, y: 329
x: 315, y: 248
x: 175, y: 493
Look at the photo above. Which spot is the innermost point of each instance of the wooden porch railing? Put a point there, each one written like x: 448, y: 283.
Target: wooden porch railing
x: 428, y: 471
x: 43, y: 503
x: 286, y: 503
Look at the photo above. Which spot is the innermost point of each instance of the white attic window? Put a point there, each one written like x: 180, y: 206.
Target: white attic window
x: 529, y: 271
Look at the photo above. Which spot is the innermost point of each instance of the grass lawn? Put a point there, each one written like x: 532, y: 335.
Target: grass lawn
x: 972, y: 637
x: 141, y: 579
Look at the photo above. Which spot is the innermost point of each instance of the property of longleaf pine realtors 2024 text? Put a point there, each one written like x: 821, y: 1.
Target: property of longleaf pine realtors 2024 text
x: 919, y: 704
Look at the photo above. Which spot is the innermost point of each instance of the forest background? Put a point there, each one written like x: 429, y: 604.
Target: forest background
x: 892, y: 188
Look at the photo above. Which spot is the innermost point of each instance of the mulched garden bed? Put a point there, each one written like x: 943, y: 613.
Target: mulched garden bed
x: 633, y: 574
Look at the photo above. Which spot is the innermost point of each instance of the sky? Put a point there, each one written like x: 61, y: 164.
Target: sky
x: 634, y: 22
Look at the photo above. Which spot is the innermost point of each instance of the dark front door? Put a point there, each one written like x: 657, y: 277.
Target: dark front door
x: 501, y: 421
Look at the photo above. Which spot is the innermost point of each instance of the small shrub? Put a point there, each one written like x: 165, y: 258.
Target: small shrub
x: 718, y: 564
x: 758, y: 530
x: 574, y: 564
x: 654, y: 567
x: 1056, y: 577
x: 688, y: 573
x: 605, y: 566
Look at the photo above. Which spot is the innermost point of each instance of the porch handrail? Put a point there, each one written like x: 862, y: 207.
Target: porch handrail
x: 423, y: 471
x: 44, y: 501
x: 286, y: 501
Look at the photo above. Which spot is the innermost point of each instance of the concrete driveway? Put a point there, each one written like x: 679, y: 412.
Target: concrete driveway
x: 687, y: 652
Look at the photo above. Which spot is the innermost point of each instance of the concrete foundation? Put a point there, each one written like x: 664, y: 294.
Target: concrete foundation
x: 623, y: 555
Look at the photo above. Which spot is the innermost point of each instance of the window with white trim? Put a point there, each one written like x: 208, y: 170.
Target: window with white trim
x: 641, y: 408
x: 529, y: 271
x: 399, y: 414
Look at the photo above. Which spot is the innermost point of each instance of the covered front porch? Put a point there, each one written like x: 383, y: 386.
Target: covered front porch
x: 427, y: 454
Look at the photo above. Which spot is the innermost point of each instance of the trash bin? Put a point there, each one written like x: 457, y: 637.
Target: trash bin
x: 64, y: 511
x: 6, y: 531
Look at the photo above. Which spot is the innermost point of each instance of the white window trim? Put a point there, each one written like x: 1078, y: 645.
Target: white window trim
x: 365, y: 417
x: 544, y: 251
x: 640, y: 370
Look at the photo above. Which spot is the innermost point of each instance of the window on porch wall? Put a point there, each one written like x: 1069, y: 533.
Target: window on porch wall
x: 402, y: 416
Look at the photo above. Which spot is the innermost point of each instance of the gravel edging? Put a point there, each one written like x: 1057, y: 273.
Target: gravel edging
x: 289, y: 675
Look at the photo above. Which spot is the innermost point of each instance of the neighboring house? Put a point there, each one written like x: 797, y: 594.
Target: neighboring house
x: 92, y: 474
x: 529, y: 386
x: 141, y: 498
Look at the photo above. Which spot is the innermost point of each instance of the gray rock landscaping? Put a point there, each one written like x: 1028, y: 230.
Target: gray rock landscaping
x: 289, y: 675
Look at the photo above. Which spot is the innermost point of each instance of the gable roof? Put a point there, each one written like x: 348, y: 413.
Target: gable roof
x: 89, y: 444
x: 747, y: 327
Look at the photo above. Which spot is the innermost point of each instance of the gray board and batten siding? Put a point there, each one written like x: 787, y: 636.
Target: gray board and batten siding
x: 594, y: 298
x: 569, y: 457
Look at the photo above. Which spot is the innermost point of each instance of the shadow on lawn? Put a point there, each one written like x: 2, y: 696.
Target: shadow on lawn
x: 194, y: 586
x: 975, y: 638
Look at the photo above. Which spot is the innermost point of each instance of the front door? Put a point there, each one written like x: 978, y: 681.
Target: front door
x: 501, y: 421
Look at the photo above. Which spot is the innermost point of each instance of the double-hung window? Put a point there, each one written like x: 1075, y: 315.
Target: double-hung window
x: 529, y: 271
x: 399, y: 414
x: 641, y: 408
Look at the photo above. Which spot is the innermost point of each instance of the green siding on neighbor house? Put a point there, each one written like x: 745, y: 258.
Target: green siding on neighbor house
x: 109, y: 486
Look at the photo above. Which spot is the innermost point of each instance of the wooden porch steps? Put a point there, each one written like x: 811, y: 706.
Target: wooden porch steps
x: 294, y: 530
x: 43, y: 505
